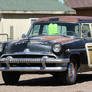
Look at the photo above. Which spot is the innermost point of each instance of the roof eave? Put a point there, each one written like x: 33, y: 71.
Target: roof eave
x: 37, y: 12
x: 81, y: 8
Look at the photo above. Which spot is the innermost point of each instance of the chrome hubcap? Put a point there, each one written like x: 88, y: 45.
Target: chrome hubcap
x: 71, y: 71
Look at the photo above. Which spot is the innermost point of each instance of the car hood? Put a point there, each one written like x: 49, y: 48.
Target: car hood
x: 38, y: 44
x: 55, y: 39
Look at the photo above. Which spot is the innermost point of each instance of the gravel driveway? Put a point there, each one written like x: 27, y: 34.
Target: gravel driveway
x: 45, y: 83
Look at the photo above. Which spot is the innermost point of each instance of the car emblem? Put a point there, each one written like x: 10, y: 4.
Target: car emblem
x: 26, y: 50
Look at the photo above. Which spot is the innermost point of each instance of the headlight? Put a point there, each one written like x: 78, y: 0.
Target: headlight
x: 56, y: 48
x: 1, y: 47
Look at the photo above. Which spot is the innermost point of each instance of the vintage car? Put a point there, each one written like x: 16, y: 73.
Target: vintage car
x: 60, y: 46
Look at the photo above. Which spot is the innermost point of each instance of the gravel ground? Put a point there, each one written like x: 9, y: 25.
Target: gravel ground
x: 45, y: 83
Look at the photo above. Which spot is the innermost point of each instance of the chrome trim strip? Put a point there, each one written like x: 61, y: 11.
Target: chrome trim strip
x: 79, y: 49
x: 75, y: 50
x: 33, y: 60
x: 30, y: 53
x: 89, y: 48
x: 34, y: 69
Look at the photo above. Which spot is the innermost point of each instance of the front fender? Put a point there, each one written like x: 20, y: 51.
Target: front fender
x: 74, y: 53
x: 76, y: 58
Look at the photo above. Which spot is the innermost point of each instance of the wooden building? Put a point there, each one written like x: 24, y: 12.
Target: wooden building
x: 82, y: 7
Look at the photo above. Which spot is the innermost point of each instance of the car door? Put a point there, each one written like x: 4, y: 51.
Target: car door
x: 87, y: 39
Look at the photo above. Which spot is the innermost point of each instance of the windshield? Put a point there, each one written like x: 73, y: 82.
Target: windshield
x: 54, y: 29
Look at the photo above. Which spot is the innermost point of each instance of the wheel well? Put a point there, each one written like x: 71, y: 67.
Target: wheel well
x: 76, y: 59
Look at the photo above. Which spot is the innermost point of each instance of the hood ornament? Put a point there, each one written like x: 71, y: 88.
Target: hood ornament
x: 27, y: 50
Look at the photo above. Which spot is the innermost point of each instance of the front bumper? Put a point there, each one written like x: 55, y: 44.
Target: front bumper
x: 9, y: 60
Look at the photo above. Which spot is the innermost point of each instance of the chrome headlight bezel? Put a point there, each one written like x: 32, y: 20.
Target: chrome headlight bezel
x: 56, y: 48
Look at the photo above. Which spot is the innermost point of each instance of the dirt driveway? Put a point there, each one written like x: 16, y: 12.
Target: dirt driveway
x: 45, y: 83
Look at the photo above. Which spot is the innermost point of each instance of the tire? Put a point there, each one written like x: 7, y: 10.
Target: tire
x: 70, y: 75
x: 10, y: 78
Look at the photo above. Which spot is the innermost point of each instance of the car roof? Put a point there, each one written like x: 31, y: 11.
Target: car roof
x: 66, y: 19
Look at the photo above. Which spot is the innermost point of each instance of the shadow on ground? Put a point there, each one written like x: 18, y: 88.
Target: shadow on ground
x: 50, y: 81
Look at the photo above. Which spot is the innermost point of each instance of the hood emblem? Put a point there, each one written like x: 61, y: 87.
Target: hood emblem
x: 27, y: 50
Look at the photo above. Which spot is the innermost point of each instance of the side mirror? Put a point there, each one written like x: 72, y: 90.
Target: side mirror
x: 23, y: 35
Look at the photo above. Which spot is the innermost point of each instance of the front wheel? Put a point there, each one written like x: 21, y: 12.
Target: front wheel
x: 10, y: 78
x: 70, y: 75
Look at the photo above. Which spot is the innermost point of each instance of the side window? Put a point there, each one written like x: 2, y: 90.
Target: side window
x: 53, y: 29
x: 62, y: 30
x: 45, y: 29
x: 35, y: 30
x: 76, y: 29
x: 86, y: 30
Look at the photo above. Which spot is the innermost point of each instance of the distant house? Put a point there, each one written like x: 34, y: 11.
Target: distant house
x: 82, y: 7
x: 17, y: 15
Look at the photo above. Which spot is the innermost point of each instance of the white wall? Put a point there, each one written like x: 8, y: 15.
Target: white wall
x: 20, y: 26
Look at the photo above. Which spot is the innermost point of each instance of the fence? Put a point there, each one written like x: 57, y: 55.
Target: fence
x: 4, y: 37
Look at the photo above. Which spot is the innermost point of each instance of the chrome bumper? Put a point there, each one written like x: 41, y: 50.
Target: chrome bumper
x: 42, y: 60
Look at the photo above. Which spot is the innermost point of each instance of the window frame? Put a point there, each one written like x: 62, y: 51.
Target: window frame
x: 53, y: 23
x: 90, y: 27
